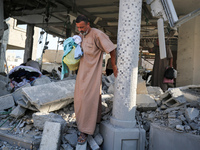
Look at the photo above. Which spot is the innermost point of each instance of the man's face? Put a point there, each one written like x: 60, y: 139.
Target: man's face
x: 82, y: 27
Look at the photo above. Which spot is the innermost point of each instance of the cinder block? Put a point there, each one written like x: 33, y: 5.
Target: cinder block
x: 6, y: 102
x: 51, y: 136
x: 173, y: 98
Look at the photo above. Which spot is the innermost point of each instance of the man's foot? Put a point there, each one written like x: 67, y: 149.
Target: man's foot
x: 82, y: 138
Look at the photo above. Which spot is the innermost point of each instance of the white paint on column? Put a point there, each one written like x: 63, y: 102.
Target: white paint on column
x: 127, y: 63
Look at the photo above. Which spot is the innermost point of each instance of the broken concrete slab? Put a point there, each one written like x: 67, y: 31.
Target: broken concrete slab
x: 3, y: 88
x: 6, y: 101
x: 92, y: 143
x: 18, y: 112
x: 154, y: 90
x: 45, y: 96
x: 51, y: 136
x: 71, y: 139
x: 39, y: 120
x: 141, y: 86
x: 17, y: 94
x: 191, y: 114
x: 172, y: 122
x: 25, y: 142
x: 145, y: 102
x: 162, y: 138
x: 3, y: 78
x: 173, y: 97
x: 41, y: 80
x: 67, y: 147
x: 98, y: 139
x: 81, y: 147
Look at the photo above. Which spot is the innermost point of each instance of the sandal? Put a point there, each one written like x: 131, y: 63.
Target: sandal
x: 82, y: 138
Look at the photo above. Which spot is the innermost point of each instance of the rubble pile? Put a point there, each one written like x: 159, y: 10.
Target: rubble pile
x: 26, y: 112
x: 177, y: 109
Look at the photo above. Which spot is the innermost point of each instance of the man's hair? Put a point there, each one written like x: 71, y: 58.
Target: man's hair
x: 81, y: 18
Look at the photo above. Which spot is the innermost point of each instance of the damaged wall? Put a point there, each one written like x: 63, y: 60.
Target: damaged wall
x: 188, y: 53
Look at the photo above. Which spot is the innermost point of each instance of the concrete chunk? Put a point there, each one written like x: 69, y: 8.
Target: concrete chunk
x: 3, y: 89
x: 50, y: 94
x: 17, y: 94
x: 18, y: 112
x: 145, y: 102
x: 162, y: 138
x: 173, y: 122
x: 6, y: 102
x: 98, y: 139
x: 51, y: 136
x: 71, y: 139
x: 191, y: 114
x: 39, y: 120
x: 92, y: 143
x: 41, y: 80
x: 154, y: 90
x: 81, y: 147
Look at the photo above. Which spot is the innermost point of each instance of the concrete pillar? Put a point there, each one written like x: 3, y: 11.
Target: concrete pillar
x: 120, y: 133
x: 1, y: 35
x: 29, y: 42
x: 188, y: 53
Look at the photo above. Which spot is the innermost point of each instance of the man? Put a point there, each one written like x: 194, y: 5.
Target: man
x: 160, y: 66
x: 87, y: 94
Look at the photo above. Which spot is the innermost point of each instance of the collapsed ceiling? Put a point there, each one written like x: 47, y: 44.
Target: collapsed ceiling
x: 57, y: 16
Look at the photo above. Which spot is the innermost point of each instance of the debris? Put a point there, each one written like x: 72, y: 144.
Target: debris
x: 42, y: 80
x: 98, y: 139
x: 191, y: 114
x: 51, y: 136
x: 72, y: 139
x: 52, y: 96
x: 6, y: 102
x: 92, y: 143
x: 18, y: 112
x: 154, y: 90
x: 39, y: 120
x: 145, y: 102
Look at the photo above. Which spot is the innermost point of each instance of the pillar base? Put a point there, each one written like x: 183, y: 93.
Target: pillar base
x: 117, y: 138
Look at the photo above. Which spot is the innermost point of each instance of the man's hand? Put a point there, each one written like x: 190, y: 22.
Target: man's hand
x: 115, y: 70
x: 113, y: 62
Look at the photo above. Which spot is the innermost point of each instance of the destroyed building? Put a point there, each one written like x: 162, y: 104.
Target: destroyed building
x: 39, y: 113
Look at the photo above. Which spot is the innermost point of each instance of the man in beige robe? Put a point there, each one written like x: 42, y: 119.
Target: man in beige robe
x: 87, y: 96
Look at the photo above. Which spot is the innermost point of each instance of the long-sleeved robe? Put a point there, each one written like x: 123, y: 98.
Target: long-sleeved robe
x: 88, y: 81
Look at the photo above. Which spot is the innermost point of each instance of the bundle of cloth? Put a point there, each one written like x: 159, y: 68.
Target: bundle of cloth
x: 21, y: 75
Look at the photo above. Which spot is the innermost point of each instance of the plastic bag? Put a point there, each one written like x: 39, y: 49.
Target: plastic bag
x: 169, y: 73
x: 70, y: 61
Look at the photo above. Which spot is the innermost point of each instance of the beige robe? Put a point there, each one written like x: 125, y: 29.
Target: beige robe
x: 88, y: 80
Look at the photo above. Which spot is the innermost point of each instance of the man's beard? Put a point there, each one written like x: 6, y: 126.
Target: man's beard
x: 84, y: 33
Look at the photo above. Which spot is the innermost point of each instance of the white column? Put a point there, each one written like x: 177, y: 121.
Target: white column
x: 120, y: 133
x: 127, y: 62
